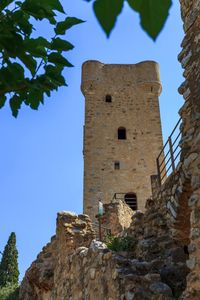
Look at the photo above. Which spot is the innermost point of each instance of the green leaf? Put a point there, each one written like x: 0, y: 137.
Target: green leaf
x: 38, y: 9
x: 36, y: 47
x: 35, y: 97
x: 13, y: 43
x: 57, y: 80
x: 2, y: 101
x: 57, y: 58
x: 54, y: 5
x: 29, y: 62
x: 61, y: 45
x: 68, y: 23
x: 53, y: 77
x: 46, y: 5
x: 4, y: 3
x: 16, y: 70
x: 106, y: 12
x: 40, y: 41
x: 5, y: 76
x: 53, y: 69
x: 15, y: 104
x: 11, y: 75
x: 153, y: 14
x: 22, y: 21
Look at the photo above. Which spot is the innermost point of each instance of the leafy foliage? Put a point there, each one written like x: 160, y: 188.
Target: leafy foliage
x: 106, y: 16
x: 126, y: 243
x: 9, y: 273
x: 31, y: 66
x: 153, y: 13
x: 9, y: 292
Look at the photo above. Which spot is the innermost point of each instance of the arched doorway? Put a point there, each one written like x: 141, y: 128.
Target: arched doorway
x: 131, y: 200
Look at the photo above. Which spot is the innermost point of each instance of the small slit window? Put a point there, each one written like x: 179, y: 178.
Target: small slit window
x: 131, y: 200
x: 108, y: 98
x: 121, y: 133
x: 117, y: 165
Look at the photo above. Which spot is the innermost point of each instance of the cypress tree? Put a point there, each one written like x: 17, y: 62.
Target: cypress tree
x: 9, y: 272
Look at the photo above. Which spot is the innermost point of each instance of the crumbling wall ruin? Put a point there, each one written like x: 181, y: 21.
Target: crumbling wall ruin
x: 117, y: 218
x: 49, y: 276
x: 181, y: 192
x: 74, y: 266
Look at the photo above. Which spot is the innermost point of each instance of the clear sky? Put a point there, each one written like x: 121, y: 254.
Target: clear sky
x: 41, y: 162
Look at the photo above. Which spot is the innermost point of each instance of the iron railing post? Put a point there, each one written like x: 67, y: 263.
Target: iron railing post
x: 171, y: 153
x: 171, y: 156
x: 158, y: 169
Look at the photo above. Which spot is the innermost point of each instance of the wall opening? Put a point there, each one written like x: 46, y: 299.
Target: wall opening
x: 108, y: 98
x: 131, y: 200
x: 121, y: 133
x: 117, y: 165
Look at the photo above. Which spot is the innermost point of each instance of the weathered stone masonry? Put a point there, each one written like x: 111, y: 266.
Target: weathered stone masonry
x: 134, y: 91
x: 73, y: 266
x: 181, y: 192
x: 190, y: 113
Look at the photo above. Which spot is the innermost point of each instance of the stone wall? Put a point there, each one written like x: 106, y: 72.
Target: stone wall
x: 190, y: 114
x: 181, y: 192
x: 73, y: 266
x: 134, y: 89
x: 49, y: 275
x: 174, y: 198
x: 117, y: 217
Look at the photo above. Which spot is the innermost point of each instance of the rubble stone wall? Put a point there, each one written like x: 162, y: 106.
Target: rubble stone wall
x: 181, y: 192
x: 48, y: 277
x: 190, y: 144
x: 117, y: 217
x: 174, y: 200
x: 73, y: 266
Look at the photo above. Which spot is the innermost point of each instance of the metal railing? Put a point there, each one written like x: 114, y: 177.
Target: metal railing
x: 169, y: 156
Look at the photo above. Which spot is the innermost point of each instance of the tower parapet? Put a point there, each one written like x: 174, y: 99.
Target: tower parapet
x: 144, y: 74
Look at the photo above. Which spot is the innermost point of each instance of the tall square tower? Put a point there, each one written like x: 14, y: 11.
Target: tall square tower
x: 122, y: 132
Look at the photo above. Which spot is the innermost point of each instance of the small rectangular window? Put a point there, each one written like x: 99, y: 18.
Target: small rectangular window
x: 121, y: 133
x: 117, y: 165
x: 108, y: 98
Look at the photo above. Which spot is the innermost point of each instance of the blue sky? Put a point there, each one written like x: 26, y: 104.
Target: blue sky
x: 41, y: 162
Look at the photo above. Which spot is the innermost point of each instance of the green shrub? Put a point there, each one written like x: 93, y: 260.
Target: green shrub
x: 9, y: 292
x: 126, y: 243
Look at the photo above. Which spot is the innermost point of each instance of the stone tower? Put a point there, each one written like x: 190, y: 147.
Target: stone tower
x: 122, y: 132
